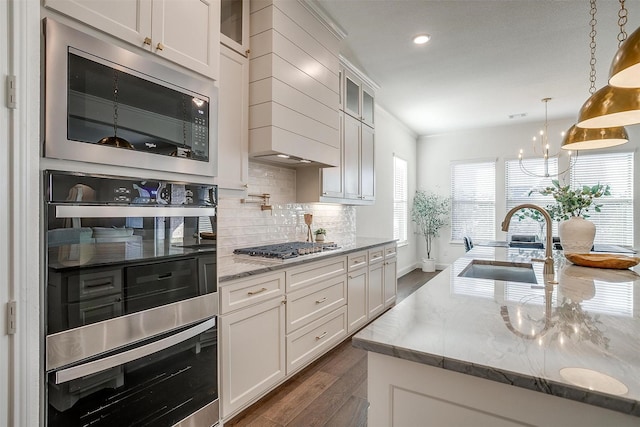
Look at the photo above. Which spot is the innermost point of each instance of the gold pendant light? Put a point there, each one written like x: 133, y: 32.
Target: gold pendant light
x: 625, y: 68
x: 612, y: 106
x: 579, y: 138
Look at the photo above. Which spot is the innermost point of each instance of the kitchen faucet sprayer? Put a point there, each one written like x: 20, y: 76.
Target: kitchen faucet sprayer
x: 548, y: 256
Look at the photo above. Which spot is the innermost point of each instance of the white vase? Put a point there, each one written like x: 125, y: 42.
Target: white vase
x: 576, y: 235
x: 319, y: 237
x: 428, y: 265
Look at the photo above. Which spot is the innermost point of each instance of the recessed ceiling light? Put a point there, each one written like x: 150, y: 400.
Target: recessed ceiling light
x: 421, y: 38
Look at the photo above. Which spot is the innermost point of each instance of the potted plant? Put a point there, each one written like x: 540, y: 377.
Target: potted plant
x: 320, y: 234
x: 430, y: 212
x: 571, y: 209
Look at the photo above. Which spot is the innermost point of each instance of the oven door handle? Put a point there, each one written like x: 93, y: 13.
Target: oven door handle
x: 114, y: 211
x: 65, y: 375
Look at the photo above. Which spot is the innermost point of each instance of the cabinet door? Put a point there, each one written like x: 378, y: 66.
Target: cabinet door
x: 375, y: 299
x: 234, y: 25
x: 368, y: 106
x: 187, y: 32
x: 352, y: 91
x: 390, y: 281
x: 351, y: 157
x: 129, y: 20
x: 233, y: 116
x: 367, y: 166
x: 252, y: 353
x: 332, y: 180
x: 356, y: 299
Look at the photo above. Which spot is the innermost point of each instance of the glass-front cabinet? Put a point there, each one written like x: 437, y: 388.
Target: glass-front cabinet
x: 234, y: 25
x: 359, y: 99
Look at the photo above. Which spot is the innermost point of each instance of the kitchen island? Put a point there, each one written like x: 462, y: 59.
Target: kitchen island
x: 471, y: 351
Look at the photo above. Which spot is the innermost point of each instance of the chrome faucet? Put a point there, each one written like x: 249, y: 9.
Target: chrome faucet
x: 548, y: 254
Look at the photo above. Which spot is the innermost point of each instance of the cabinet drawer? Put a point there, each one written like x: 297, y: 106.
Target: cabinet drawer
x: 93, y: 284
x: 390, y: 251
x: 245, y: 292
x: 357, y: 260
x: 315, y: 339
x: 312, y: 273
x: 313, y: 302
x: 376, y: 255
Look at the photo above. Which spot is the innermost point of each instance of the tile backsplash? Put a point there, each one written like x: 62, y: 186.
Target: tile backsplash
x: 245, y: 224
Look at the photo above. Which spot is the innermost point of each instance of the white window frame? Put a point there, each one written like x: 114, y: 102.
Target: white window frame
x: 400, y: 200
x: 614, y: 225
x: 517, y: 186
x: 464, y: 207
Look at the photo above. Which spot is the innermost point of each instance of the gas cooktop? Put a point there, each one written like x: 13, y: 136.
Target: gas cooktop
x: 284, y: 251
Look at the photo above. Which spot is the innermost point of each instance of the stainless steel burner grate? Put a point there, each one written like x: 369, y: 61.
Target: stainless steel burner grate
x: 286, y: 250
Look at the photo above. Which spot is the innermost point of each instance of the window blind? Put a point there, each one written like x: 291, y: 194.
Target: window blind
x: 473, y: 199
x: 614, y: 225
x: 518, y: 185
x: 400, y: 200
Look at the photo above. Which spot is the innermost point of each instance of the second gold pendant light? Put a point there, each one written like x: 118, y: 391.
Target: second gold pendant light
x: 612, y: 106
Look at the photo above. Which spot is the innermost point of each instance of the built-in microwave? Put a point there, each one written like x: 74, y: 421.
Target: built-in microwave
x: 106, y: 104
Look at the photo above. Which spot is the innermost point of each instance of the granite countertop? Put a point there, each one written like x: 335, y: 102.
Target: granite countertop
x: 236, y: 267
x: 578, y: 338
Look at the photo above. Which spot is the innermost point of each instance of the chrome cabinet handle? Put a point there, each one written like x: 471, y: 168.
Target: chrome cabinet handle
x: 89, y: 368
x: 321, y: 300
x: 114, y: 211
x: 322, y: 335
x: 256, y: 292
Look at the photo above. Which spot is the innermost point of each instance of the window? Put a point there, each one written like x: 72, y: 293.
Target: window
x: 518, y: 185
x: 614, y: 225
x: 400, y: 200
x: 473, y: 200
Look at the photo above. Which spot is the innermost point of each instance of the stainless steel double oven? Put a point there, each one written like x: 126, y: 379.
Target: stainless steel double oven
x: 131, y: 302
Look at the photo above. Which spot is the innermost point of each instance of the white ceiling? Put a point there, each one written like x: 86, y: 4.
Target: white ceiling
x: 486, y: 59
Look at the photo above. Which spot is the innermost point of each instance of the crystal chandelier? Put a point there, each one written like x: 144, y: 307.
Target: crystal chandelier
x: 541, y: 147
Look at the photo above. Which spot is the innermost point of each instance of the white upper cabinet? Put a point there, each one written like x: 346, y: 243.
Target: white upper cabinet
x: 186, y: 32
x: 234, y: 25
x: 233, y: 117
x: 359, y: 98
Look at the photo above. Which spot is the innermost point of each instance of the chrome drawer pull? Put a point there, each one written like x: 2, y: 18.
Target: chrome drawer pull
x: 256, y: 292
x: 321, y: 300
x: 319, y: 337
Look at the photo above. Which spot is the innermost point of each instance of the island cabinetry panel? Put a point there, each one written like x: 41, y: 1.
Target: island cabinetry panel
x: 158, y: 26
x: 357, y: 293
x: 390, y: 275
x: 407, y: 393
x: 294, y: 84
x: 233, y: 122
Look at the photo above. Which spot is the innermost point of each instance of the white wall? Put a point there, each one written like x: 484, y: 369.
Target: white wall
x: 391, y: 137
x: 435, y: 154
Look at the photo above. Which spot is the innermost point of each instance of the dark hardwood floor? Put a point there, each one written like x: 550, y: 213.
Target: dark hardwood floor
x: 331, y: 392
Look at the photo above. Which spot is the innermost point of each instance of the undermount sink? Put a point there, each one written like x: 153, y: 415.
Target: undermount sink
x: 500, y: 270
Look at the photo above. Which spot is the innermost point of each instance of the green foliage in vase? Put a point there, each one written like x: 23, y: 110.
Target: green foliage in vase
x: 321, y: 231
x: 430, y: 212
x: 573, y: 202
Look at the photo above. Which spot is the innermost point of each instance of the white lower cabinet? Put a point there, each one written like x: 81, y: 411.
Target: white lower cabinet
x: 274, y: 324
x: 357, y: 279
x: 252, y: 353
x: 375, y: 299
x: 314, y: 339
x: 390, y: 275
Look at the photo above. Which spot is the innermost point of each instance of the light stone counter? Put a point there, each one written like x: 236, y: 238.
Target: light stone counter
x: 238, y: 266
x: 578, y: 339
